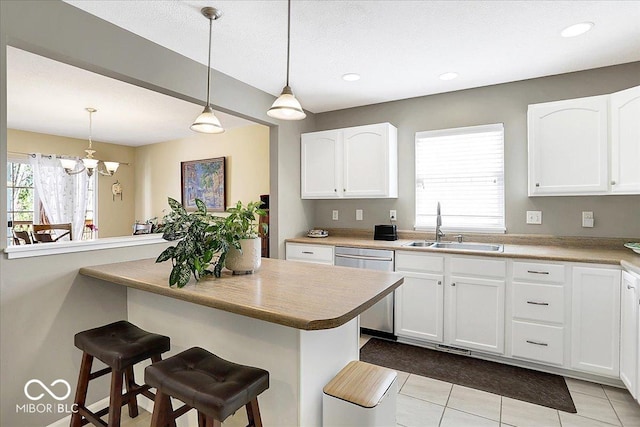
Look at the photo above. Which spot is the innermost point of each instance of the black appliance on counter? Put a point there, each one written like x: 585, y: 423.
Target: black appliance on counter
x: 385, y: 232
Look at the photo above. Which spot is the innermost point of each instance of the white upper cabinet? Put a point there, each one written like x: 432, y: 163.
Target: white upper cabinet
x: 625, y: 141
x: 568, y: 147
x: 357, y: 162
x: 321, y: 173
x: 585, y: 146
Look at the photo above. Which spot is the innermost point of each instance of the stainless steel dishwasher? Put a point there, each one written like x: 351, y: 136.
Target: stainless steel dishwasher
x: 378, y: 319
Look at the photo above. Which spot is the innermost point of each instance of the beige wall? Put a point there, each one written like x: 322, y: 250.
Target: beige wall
x: 158, y: 174
x: 115, y: 217
x: 615, y: 216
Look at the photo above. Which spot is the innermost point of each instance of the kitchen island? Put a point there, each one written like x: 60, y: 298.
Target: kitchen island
x: 299, y: 321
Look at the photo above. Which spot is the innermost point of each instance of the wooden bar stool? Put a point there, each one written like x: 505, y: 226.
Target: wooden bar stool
x: 213, y: 386
x: 119, y: 345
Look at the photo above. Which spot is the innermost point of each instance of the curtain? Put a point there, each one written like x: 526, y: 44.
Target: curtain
x: 64, y: 197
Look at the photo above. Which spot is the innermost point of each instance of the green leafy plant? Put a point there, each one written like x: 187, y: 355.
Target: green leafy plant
x: 204, y: 239
x: 241, y: 222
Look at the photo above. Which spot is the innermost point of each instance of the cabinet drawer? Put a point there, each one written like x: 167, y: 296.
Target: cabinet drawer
x: 538, y: 302
x: 310, y: 253
x: 421, y: 263
x: 478, y: 267
x: 552, y: 273
x: 538, y: 342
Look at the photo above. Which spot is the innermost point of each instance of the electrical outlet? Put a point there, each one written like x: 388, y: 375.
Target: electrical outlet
x: 587, y: 219
x: 334, y: 216
x: 534, y: 217
x: 392, y: 215
x: 358, y: 214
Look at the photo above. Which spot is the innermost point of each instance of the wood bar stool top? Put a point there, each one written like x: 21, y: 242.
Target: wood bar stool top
x: 215, y: 387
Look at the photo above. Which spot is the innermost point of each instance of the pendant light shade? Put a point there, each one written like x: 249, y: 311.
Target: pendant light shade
x: 287, y: 107
x: 207, y: 122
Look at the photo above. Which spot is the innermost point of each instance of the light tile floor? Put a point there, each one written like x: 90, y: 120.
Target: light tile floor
x: 426, y: 402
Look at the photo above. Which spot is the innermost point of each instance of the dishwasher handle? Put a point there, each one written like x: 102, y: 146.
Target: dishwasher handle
x: 365, y: 257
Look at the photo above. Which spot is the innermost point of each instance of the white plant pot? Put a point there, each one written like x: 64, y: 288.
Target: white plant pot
x: 247, y: 261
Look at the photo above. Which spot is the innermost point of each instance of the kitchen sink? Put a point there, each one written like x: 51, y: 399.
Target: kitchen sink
x: 420, y: 244
x: 465, y: 246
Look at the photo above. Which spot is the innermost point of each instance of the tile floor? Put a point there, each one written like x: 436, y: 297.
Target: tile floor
x: 426, y: 402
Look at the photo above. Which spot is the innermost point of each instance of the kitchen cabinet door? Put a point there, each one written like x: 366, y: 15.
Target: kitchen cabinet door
x: 419, y: 307
x: 595, y: 320
x: 370, y: 163
x: 629, y: 332
x: 568, y: 147
x: 321, y: 169
x: 476, y: 313
x: 625, y: 141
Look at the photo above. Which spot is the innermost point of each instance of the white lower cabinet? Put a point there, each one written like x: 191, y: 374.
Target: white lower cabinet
x: 542, y: 343
x: 443, y: 301
x: 317, y: 254
x: 418, y: 307
x: 595, y: 320
x: 476, y: 313
x: 629, y: 360
x: 538, y: 314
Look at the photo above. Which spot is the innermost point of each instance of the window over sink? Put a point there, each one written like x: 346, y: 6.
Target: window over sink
x: 463, y: 169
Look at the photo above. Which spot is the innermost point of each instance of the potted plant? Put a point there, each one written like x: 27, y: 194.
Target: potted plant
x: 241, y: 224
x: 199, y: 241
x: 205, y: 241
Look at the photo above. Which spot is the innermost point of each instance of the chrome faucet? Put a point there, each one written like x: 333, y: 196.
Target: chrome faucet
x: 439, y: 233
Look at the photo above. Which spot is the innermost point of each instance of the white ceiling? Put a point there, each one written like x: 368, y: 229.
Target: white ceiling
x: 399, y: 47
x: 50, y: 97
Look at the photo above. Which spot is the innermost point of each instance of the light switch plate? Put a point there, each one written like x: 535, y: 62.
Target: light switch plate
x: 587, y: 219
x: 358, y: 214
x: 334, y: 216
x: 534, y: 217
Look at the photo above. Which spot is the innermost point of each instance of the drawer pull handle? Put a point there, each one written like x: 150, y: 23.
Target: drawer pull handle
x: 439, y: 282
x: 453, y: 284
x: 307, y: 252
x: 537, y: 303
x: 537, y: 343
x: 630, y: 287
x: 537, y: 272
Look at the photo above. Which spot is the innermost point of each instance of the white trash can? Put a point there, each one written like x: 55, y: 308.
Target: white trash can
x: 361, y: 394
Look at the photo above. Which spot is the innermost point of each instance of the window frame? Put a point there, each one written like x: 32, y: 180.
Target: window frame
x: 501, y: 228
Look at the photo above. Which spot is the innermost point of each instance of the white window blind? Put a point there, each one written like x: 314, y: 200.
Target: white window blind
x: 463, y: 169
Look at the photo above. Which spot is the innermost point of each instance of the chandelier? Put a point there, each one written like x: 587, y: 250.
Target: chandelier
x: 89, y: 163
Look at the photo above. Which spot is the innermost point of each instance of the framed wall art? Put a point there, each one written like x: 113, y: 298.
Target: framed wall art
x: 204, y: 180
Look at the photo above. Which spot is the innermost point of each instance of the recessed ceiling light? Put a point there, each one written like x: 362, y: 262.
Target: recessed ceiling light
x: 351, y: 77
x: 448, y: 76
x: 577, y: 29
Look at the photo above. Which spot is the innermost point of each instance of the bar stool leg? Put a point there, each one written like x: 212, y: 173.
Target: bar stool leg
x: 115, y: 400
x: 161, y: 410
x: 133, y: 400
x: 253, y: 414
x: 81, y: 389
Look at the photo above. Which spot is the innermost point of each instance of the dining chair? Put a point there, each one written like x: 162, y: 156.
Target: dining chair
x: 21, y: 236
x: 44, y: 233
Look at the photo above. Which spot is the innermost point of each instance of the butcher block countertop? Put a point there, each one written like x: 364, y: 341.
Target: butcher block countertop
x: 596, y: 251
x: 300, y: 295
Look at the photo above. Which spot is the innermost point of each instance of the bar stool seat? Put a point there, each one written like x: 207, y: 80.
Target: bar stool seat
x: 119, y: 345
x: 215, y: 387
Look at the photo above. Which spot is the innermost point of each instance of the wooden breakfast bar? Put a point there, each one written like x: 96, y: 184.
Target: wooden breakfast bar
x: 297, y: 320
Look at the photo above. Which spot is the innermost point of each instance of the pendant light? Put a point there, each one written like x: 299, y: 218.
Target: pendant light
x: 287, y: 107
x: 89, y: 163
x: 207, y: 122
